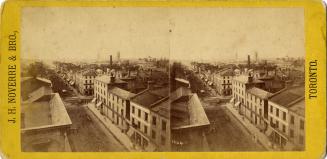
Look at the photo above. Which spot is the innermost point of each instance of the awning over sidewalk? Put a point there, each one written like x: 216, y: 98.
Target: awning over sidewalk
x: 93, y: 100
x: 130, y: 132
x: 232, y: 100
x: 150, y: 148
x: 269, y: 131
x: 99, y: 104
x: 237, y: 104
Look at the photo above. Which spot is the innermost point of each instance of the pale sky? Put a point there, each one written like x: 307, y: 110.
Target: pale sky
x: 196, y: 33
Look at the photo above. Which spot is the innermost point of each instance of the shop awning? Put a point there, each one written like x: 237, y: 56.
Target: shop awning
x: 269, y: 131
x: 232, y: 100
x: 150, y: 148
x: 130, y: 132
x: 99, y: 104
x: 237, y: 104
x: 93, y: 100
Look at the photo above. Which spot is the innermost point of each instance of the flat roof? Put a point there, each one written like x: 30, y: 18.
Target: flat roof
x: 121, y: 92
x: 107, y: 79
x: 245, y: 79
x: 259, y: 93
x: 48, y: 111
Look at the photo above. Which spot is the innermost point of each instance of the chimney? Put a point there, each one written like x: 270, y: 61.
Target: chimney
x: 249, y: 61
x: 150, y: 84
x: 112, y: 78
x: 110, y: 61
x: 250, y: 78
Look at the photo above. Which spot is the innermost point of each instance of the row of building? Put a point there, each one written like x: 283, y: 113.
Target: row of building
x: 155, y: 119
x: 280, y: 115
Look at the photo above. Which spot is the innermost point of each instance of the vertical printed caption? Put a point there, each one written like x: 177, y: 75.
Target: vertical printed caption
x: 12, y: 76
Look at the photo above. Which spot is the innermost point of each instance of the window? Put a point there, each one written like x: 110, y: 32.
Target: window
x: 301, y: 124
x: 284, y: 128
x: 301, y: 139
x: 163, y: 126
x: 292, y: 119
x: 277, y: 124
x: 133, y: 110
x: 139, y: 113
x: 284, y: 116
x: 163, y: 140
x: 277, y: 112
x: 153, y: 134
x: 145, y: 116
x: 291, y: 133
x: 154, y: 120
x: 145, y: 129
x: 271, y: 108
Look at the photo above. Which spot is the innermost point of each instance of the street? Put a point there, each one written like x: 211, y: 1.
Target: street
x: 226, y: 133
x: 86, y: 134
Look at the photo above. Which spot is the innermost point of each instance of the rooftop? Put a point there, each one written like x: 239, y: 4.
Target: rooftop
x: 187, y: 111
x: 149, y: 97
x: 162, y: 108
x: 299, y: 107
x: 30, y: 84
x: 226, y: 72
x: 259, y: 93
x: 107, y: 79
x: 47, y: 111
x: 121, y: 92
x: 245, y: 79
x: 288, y: 96
x: 89, y: 73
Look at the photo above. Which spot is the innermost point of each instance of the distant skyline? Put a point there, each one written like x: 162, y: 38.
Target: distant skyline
x: 177, y: 33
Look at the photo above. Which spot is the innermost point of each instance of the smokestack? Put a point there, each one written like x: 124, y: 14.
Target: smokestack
x: 110, y: 61
x: 249, y: 62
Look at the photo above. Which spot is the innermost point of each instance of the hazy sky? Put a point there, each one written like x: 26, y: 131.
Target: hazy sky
x: 179, y: 33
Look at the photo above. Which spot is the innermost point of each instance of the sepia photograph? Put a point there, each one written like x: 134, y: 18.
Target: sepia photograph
x: 160, y: 79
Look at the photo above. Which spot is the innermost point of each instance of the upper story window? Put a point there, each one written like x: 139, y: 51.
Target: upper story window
x: 301, y: 124
x: 154, y: 120
x: 139, y: 113
x: 163, y: 126
x: 145, y: 116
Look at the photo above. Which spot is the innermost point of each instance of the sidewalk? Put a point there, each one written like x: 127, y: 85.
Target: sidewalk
x: 121, y: 137
x: 261, y: 137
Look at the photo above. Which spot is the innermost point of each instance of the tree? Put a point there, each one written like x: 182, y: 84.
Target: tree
x: 36, y: 69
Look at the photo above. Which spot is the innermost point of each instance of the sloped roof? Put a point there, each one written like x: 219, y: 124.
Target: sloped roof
x: 187, y: 112
x: 150, y: 96
x: 288, y: 96
x: 298, y: 107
